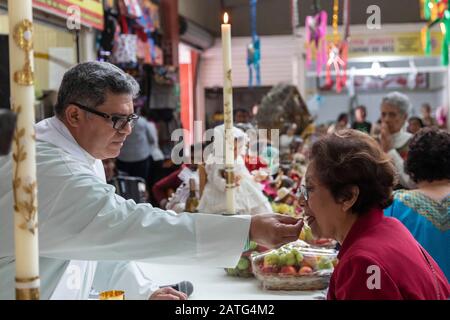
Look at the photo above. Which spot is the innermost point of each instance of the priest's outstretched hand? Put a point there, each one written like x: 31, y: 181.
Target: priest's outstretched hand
x: 274, y: 230
x: 168, y: 293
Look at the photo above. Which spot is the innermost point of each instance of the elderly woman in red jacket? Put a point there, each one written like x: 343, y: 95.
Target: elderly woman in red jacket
x: 348, y: 183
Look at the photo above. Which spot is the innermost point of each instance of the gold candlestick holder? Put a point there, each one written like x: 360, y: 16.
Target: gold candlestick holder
x: 112, y: 295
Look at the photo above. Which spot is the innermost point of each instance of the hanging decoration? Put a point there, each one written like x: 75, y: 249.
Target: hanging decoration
x: 295, y: 18
x: 253, y: 49
x: 316, y: 31
x: 436, y: 12
x: 444, y: 13
x: 433, y: 9
x: 338, y: 50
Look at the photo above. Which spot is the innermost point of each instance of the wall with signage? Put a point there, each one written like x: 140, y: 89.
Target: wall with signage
x: 90, y: 11
x: 389, y: 43
x: 401, y: 44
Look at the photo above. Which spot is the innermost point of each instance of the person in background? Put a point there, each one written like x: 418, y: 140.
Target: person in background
x: 241, y: 116
x: 110, y: 169
x: 216, y: 119
x: 113, y: 175
x: 156, y: 157
x: 393, y: 138
x: 360, y: 122
x: 269, y: 153
x: 425, y: 211
x: 414, y: 125
x: 376, y: 129
x: 287, y: 138
x: 348, y: 183
x: 341, y: 123
x: 173, y: 181
x: 137, y: 149
x: 427, y: 118
x: 441, y: 117
x: 251, y: 158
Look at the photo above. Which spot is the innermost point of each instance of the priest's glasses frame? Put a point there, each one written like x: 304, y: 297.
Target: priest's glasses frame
x: 119, y: 122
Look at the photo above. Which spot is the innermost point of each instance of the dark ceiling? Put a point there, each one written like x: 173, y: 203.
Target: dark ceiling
x: 274, y: 16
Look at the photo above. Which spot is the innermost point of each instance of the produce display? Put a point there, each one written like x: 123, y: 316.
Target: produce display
x: 244, y: 266
x: 295, y: 266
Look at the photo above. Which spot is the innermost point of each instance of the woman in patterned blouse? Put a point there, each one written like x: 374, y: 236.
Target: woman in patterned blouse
x: 425, y: 211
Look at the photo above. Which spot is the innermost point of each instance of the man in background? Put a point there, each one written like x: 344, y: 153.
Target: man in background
x: 360, y: 122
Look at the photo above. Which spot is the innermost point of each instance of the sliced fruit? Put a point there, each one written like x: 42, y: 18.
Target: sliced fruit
x: 302, y: 235
x: 308, y: 233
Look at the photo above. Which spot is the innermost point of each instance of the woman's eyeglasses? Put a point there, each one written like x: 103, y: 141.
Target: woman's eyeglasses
x: 119, y: 122
x: 303, y: 192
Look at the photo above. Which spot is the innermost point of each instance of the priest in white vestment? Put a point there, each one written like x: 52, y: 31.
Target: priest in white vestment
x: 84, y: 226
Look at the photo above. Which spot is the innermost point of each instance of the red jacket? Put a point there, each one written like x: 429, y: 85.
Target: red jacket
x: 379, y: 245
x: 170, y: 182
x: 253, y: 163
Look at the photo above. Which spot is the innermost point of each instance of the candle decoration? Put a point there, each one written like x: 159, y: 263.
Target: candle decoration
x: 24, y: 159
x: 228, y: 116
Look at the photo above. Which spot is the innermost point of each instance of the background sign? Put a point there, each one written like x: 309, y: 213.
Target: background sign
x: 91, y: 10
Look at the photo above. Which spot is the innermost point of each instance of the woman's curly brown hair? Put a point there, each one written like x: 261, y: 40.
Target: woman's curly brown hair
x: 429, y: 155
x: 352, y: 158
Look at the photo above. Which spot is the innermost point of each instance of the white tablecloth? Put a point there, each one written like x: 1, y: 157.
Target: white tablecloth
x: 214, y: 284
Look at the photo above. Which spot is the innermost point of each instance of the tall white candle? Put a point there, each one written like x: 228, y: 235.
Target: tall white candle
x: 24, y: 159
x: 228, y: 115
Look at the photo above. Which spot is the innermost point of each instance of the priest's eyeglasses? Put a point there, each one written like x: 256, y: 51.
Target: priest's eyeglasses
x: 119, y: 122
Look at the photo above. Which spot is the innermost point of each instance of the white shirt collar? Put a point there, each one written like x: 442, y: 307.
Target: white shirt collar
x: 54, y: 131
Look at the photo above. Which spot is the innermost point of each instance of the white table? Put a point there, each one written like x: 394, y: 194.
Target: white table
x: 214, y: 284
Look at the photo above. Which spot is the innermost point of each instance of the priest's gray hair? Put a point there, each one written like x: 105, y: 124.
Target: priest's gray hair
x: 88, y: 83
x: 398, y: 100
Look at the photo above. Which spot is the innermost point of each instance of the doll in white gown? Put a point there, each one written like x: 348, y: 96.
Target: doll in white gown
x: 248, y: 193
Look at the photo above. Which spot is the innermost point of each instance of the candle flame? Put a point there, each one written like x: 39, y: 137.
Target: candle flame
x: 225, y: 17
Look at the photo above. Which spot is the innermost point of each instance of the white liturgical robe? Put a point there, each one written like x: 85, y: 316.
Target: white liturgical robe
x: 82, y: 221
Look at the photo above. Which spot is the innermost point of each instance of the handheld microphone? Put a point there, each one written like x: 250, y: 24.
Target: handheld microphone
x: 183, y: 286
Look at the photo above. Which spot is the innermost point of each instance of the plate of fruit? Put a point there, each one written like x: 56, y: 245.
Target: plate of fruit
x: 295, y: 266
x: 244, y: 267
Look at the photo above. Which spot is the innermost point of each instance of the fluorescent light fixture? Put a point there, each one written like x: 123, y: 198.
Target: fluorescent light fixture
x: 377, y: 70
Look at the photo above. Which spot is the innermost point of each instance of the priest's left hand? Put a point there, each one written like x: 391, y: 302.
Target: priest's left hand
x: 168, y: 293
